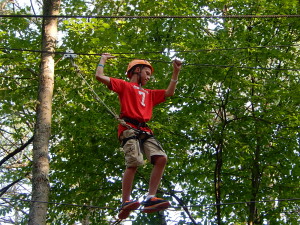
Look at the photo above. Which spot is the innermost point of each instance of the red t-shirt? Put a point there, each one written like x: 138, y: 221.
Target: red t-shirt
x: 136, y: 103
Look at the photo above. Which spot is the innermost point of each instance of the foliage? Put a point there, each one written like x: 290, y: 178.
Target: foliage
x: 237, y: 99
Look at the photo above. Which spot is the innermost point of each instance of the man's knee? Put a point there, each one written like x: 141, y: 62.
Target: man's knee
x: 159, y: 160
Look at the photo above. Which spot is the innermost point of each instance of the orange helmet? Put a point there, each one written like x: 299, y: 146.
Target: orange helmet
x: 138, y: 62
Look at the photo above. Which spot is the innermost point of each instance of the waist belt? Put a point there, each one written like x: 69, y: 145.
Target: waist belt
x: 134, y: 122
x: 140, y: 137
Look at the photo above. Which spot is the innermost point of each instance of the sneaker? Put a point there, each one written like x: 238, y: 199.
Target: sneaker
x: 155, y: 204
x: 127, y: 207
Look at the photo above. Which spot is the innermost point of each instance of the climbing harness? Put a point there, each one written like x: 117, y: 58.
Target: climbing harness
x: 134, y: 122
x: 140, y: 135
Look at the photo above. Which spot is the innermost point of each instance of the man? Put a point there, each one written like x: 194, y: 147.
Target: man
x: 136, y: 109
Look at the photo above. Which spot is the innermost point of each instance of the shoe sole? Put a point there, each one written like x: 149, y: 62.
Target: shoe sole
x: 157, y: 207
x: 124, y: 213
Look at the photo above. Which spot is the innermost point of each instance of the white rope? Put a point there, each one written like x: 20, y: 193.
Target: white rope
x: 70, y: 54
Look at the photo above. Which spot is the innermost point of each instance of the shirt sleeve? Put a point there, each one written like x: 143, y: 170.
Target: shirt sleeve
x: 158, y: 96
x: 117, y: 85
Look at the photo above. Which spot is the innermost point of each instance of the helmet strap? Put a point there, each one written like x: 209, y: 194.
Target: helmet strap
x: 139, y: 74
x: 140, y: 79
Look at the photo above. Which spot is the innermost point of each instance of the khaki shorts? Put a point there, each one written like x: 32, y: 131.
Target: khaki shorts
x: 133, y: 152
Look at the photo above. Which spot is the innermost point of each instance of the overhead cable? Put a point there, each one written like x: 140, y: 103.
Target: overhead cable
x: 242, y: 67
x: 151, y: 17
x: 156, y: 52
x: 174, y: 207
x: 186, y: 64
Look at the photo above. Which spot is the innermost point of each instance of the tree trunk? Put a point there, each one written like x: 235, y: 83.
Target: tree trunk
x: 255, y: 180
x: 218, y: 180
x: 40, y: 171
x: 219, y: 159
x: 162, y: 217
x: 253, y: 217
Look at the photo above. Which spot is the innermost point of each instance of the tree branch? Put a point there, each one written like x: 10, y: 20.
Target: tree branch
x: 182, y: 204
x: 16, y: 151
x: 5, y: 189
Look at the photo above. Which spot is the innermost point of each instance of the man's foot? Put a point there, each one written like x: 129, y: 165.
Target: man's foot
x: 127, y: 207
x: 155, y: 204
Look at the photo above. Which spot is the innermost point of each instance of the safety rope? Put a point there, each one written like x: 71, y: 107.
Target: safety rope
x: 78, y: 71
x: 121, y: 121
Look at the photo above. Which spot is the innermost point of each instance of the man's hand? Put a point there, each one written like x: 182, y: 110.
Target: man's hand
x: 106, y: 56
x: 177, y: 65
x: 172, y: 86
x: 100, y: 69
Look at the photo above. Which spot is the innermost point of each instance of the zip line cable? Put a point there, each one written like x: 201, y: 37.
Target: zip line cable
x: 118, y: 221
x: 186, y: 64
x: 70, y: 54
x: 242, y: 67
x: 155, y: 52
x: 151, y: 17
x: 172, y: 207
